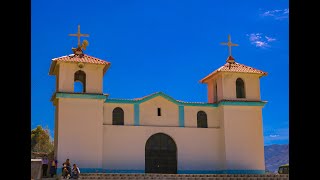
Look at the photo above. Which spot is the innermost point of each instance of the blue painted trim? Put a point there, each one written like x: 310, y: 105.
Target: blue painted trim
x: 244, y: 171
x: 179, y: 103
x: 123, y: 101
x: 100, y: 170
x: 200, y: 172
x: 162, y: 95
x: 136, y: 114
x: 124, y: 171
x: 81, y: 96
x: 59, y: 171
x: 241, y: 103
x: 198, y: 104
x: 181, y: 116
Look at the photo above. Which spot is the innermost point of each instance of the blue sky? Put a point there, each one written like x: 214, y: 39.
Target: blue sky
x: 165, y: 45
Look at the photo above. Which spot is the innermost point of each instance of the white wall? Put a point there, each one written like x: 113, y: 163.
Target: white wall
x: 128, y: 110
x: 197, y: 148
x: 94, y: 76
x: 149, y: 112
x: 80, y: 133
x: 243, y: 135
x: 190, y: 115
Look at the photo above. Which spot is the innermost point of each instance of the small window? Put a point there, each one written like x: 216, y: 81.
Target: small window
x: 202, y: 120
x: 117, y: 116
x: 159, y: 111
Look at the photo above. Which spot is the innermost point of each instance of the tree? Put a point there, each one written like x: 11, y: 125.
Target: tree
x: 40, y: 140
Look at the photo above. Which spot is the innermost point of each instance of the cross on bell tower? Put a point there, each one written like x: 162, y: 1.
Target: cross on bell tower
x: 230, y: 59
x: 85, y: 43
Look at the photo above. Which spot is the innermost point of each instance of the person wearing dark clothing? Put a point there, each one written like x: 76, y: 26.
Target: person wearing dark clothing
x: 44, y: 166
x: 53, y: 168
x: 75, y: 172
x: 65, y: 171
x: 67, y: 164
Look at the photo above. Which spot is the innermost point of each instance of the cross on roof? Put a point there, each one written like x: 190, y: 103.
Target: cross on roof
x: 229, y: 44
x: 79, y: 35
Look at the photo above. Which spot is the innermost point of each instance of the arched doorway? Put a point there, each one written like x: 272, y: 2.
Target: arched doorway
x: 161, y: 154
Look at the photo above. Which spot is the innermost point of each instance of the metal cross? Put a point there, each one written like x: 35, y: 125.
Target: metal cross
x: 79, y: 35
x: 229, y: 44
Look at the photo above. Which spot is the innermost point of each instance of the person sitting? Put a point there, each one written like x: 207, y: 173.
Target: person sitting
x: 65, y: 171
x: 75, y: 172
x: 68, y: 166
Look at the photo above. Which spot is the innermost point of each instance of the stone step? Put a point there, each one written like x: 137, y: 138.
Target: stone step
x: 151, y: 176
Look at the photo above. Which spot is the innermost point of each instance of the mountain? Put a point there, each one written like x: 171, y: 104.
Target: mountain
x: 275, y: 156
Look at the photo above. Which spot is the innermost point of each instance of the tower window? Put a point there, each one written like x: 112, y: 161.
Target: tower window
x: 159, y: 111
x: 240, y: 90
x: 80, y: 81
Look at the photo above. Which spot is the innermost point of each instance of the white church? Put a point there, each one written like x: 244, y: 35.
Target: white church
x: 157, y: 133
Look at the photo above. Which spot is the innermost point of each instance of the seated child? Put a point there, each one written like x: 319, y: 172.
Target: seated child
x: 65, y: 171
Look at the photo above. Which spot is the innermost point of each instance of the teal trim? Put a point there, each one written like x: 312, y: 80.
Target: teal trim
x: 140, y: 171
x: 181, y: 103
x: 162, y: 95
x: 81, y: 96
x: 221, y: 171
x: 181, y: 116
x: 136, y: 108
x: 125, y: 101
x: 59, y: 171
x: 241, y: 103
x: 100, y: 170
x: 198, y: 104
x: 200, y: 172
x: 244, y: 172
x: 125, y: 171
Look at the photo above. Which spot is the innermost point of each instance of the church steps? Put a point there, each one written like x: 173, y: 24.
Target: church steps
x: 107, y: 176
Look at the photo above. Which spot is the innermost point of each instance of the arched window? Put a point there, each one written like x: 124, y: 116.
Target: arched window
x: 80, y: 81
x: 216, y: 93
x: 117, y: 116
x: 240, y: 88
x: 202, y: 120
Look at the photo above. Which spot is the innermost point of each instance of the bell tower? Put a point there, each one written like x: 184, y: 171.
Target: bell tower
x: 235, y: 89
x: 79, y: 114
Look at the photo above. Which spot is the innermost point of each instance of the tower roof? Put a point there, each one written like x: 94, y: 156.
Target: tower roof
x: 77, y: 58
x: 236, y: 68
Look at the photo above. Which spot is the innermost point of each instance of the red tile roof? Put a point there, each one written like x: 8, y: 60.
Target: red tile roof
x: 85, y: 59
x: 75, y: 58
x: 235, y: 67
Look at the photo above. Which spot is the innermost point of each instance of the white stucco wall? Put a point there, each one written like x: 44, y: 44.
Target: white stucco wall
x: 197, y: 148
x: 80, y: 133
x: 190, y: 116
x: 128, y: 110
x: 94, y: 75
x: 149, y: 112
x: 210, y: 91
x: 243, y: 135
x: 227, y: 86
x: 251, y: 83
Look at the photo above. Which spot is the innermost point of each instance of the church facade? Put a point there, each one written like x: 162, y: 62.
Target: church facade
x: 157, y: 133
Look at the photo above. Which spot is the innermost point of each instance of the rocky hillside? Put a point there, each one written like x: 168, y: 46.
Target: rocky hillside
x: 276, y: 155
